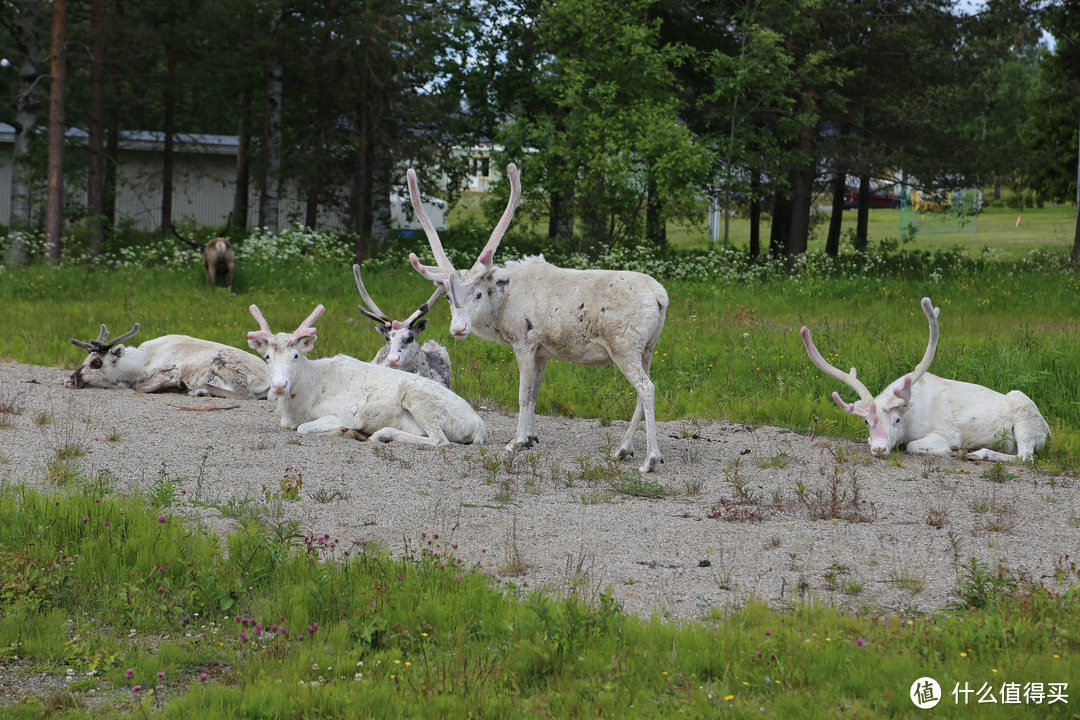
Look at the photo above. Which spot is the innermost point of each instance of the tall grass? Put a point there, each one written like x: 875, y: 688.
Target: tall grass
x: 730, y: 348
x: 154, y: 616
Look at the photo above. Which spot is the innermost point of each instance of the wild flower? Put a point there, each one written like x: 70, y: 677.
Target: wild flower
x: 129, y: 673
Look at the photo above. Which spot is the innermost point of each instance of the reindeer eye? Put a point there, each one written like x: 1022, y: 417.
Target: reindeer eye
x: 478, y: 295
x: 896, y: 420
x: 95, y: 363
x: 295, y: 354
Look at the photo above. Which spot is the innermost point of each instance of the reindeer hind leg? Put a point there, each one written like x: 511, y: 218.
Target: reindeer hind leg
x: 1030, y: 430
x: 637, y: 372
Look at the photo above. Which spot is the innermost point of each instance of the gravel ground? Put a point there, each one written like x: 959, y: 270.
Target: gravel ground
x: 909, y: 527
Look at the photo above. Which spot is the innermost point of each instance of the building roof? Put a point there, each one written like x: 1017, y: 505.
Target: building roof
x: 149, y: 140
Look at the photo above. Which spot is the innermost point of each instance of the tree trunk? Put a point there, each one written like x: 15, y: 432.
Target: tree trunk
x: 836, y: 218
x: 1076, y: 238
x: 95, y: 180
x: 655, y: 229
x: 362, y: 177
x: 755, y: 213
x: 315, y: 172
x: 169, y: 125
x: 561, y: 216
x: 862, y: 222
x: 112, y: 140
x: 781, y: 223
x: 271, y: 191
x: 802, y: 195
x: 243, y: 160
x: 381, y: 187
x: 28, y: 43
x: 54, y: 209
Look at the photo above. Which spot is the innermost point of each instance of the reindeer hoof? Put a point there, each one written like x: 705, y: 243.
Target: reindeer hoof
x: 650, y: 464
x: 518, y: 444
x: 624, y: 452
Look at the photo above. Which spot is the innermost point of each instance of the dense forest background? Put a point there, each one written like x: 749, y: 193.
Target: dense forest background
x: 623, y: 115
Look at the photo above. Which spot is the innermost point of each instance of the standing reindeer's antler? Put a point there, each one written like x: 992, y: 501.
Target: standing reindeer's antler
x: 433, y: 237
x: 486, y: 255
x: 103, y: 344
x: 848, y: 378
x: 187, y: 241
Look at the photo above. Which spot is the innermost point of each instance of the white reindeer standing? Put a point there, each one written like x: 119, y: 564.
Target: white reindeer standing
x: 936, y: 416
x: 402, y: 351
x: 341, y: 394
x: 589, y: 317
x: 170, y: 363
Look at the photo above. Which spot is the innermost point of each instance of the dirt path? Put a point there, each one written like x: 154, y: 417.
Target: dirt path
x: 732, y: 524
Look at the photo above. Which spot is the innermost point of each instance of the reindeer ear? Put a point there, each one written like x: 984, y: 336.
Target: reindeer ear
x: 904, y: 391
x: 382, y: 328
x: 419, y: 325
x: 304, y: 343
x: 117, y: 351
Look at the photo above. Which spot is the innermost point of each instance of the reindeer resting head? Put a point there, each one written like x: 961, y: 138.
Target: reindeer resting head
x: 401, y: 337
x: 884, y: 414
x: 467, y: 300
x: 283, y: 351
x: 100, y: 369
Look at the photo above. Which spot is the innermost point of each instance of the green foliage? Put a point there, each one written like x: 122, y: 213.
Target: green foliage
x: 180, y: 624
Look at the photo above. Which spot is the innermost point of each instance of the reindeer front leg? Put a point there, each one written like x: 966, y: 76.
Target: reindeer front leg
x: 326, y: 425
x: 531, y: 369
x: 935, y: 443
x: 161, y: 381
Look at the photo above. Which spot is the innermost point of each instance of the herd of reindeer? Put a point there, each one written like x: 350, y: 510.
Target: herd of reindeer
x: 589, y: 317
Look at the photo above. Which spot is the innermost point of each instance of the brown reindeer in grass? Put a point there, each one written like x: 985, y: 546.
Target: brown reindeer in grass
x: 218, y: 256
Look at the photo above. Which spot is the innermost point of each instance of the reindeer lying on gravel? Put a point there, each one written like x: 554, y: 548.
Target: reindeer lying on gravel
x: 589, y: 317
x: 936, y: 416
x: 344, y: 395
x: 402, y: 351
x: 170, y: 362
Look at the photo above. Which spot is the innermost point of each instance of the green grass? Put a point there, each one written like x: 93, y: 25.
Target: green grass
x: 71, y: 591
x: 730, y: 348
x: 996, y: 228
x: 117, y: 592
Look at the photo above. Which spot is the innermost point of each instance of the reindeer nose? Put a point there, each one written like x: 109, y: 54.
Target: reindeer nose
x: 879, y: 451
x: 279, y: 385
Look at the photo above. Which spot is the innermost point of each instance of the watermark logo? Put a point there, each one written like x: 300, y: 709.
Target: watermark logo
x: 925, y: 693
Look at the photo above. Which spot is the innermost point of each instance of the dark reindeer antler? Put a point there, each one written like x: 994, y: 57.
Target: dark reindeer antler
x: 102, y: 343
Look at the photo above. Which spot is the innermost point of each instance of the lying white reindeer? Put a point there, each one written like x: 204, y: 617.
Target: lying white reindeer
x: 342, y: 394
x: 589, y: 317
x: 936, y: 416
x: 402, y: 351
x: 170, y: 363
